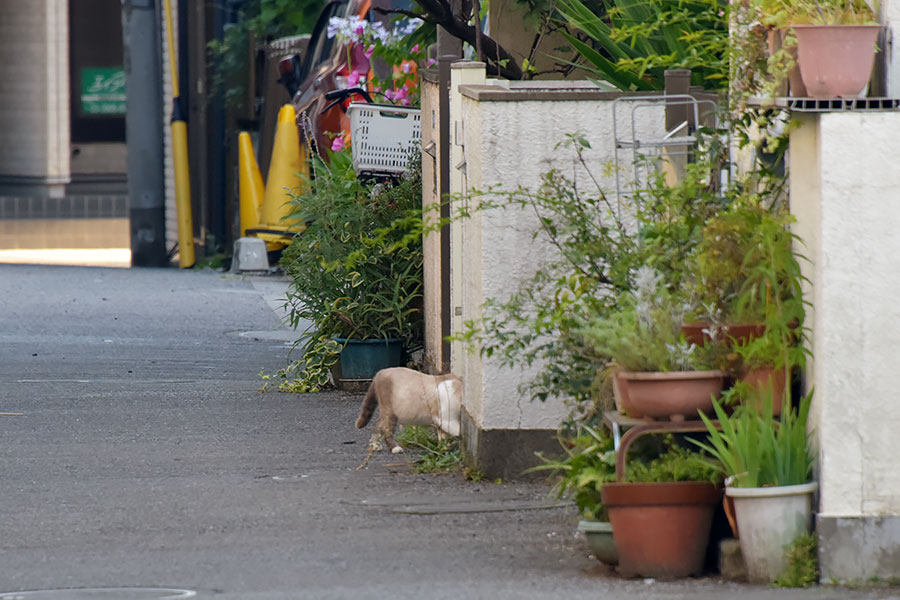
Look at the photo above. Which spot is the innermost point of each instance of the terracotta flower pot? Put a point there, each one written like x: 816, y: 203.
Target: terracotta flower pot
x: 836, y: 60
x: 677, y: 395
x: 623, y: 400
x: 661, y: 529
x: 774, y: 379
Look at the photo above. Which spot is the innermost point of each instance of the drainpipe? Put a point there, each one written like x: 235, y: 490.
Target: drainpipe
x: 144, y: 133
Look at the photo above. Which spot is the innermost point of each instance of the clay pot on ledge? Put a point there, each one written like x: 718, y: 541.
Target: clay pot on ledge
x: 836, y: 60
x: 676, y: 395
x: 661, y: 529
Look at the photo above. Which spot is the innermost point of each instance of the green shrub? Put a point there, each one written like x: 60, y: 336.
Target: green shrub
x: 355, y: 273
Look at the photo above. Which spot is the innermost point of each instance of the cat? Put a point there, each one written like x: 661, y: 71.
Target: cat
x: 408, y: 397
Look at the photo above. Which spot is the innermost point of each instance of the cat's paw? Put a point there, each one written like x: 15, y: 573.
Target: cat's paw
x: 375, y: 445
x: 397, y: 450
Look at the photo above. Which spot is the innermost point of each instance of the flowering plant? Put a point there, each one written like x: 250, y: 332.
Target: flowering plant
x: 646, y: 334
x: 372, y: 39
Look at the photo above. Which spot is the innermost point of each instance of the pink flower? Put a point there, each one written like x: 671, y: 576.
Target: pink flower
x: 353, y: 79
x: 414, y: 49
x: 430, y: 62
x: 338, y: 144
x: 406, y: 67
x: 358, y: 30
x: 389, y: 94
x: 369, y: 51
x: 405, y: 102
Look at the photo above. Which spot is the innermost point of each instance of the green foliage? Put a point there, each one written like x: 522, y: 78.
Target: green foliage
x: 599, y: 246
x: 354, y: 271
x: 589, y: 462
x: 675, y: 464
x: 630, y: 43
x: 781, y: 13
x: 755, y: 450
x: 434, y: 455
x: 261, y: 20
x: 802, y: 569
x: 645, y: 334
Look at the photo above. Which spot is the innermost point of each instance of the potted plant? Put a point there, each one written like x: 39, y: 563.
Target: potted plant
x: 654, y: 371
x: 832, y: 42
x: 589, y: 462
x: 355, y: 273
x: 661, y: 513
x: 768, y: 465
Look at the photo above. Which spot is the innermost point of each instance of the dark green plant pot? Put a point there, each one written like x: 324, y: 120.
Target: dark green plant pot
x: 361, y: 359
x: 599, y: 536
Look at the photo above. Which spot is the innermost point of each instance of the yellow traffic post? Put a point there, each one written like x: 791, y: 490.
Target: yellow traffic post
x: 250, y: 184
x: 180, y: 156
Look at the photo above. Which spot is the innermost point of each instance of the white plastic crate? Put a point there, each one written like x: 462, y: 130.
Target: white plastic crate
x: 382, y: 137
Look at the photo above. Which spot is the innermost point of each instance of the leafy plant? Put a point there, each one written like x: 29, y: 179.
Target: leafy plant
x: 599, y: 244
x: 802, y: 569
x: 259, y: 20
x: 630, y: 44
x: 435, y: 456
x: 781, y: 13
x: 645, y: 335
x: 589, y: 462
x: 675, y: 464
x: 755, y: 450
x: 354, y: 273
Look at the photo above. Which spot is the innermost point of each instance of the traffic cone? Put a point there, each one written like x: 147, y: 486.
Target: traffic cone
x: 250, y: 185
x: 285, y: 166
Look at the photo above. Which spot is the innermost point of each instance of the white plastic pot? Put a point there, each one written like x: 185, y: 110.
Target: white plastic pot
x: 769, y: 519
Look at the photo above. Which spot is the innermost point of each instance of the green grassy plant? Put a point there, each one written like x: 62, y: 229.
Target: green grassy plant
x: 433, y: 455
x: 755, y: 450
x: 802, y: 569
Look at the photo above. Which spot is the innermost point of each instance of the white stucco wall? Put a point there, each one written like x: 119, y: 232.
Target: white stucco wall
x: 506, y: 143
x: 845, y: 193
x: 34, y: 93
x: 891, y: 18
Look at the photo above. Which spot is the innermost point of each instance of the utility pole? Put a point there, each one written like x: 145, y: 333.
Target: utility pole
x: 144, y: 133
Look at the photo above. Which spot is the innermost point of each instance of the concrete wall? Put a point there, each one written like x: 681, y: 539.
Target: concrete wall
x: 432, y: 241
x: 34, y: 93
x: 505, y: 135
x: 845, y: 190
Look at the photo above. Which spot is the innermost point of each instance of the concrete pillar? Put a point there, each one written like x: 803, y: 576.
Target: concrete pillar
x: 845, y: 193
x: 34, y: 97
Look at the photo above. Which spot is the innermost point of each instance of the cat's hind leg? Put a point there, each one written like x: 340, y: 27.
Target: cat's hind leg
x: 387, y: 425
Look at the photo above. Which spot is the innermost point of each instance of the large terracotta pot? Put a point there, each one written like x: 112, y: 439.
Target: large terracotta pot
x: 661, y: 529
x: 677, y: 395
x: 836, y: 60
x: 623, y: 400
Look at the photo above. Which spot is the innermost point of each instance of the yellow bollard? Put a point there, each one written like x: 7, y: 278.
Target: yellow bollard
x: 286, y: 164
x: 252, y: 189
x: 183, y: 195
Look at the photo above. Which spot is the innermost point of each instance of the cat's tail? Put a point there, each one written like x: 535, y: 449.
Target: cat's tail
x: 368, y: 407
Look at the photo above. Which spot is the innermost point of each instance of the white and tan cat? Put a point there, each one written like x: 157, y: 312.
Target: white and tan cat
x: 408, y: 397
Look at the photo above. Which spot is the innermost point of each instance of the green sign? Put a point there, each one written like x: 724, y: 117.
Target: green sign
x: 103, y: 91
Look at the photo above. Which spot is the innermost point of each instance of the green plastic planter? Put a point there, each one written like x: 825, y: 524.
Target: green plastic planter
x: 361, y: 359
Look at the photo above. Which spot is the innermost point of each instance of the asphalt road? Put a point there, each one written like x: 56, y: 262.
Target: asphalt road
x: 137, y: 452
